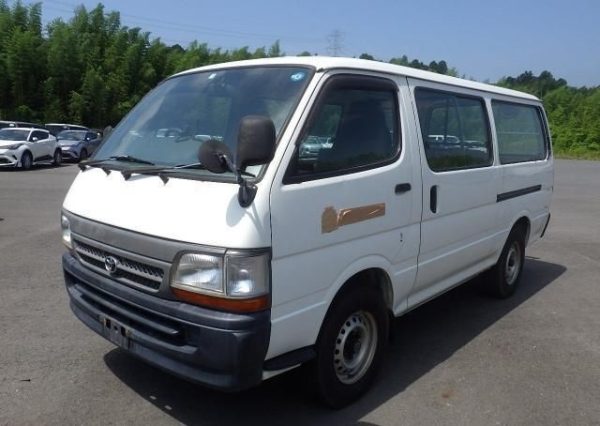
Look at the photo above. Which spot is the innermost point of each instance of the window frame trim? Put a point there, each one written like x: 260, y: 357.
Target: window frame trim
x: 345, y: 80
x: 487, y: 121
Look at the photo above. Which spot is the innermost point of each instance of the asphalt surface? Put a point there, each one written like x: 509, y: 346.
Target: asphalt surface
x: 463, y: 359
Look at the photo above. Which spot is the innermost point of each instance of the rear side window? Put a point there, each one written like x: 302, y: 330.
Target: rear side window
x: 454, y: 129
x: 520, y: 132
x: 354, y: 126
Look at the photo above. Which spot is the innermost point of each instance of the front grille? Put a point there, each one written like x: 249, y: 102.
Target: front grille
x: 126, y: 269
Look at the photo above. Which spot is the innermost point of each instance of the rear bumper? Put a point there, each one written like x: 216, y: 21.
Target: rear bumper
x: 217, y: 349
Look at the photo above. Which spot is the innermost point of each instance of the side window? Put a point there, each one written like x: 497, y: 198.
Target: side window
x: 40, y: 135
x: 520, y: 132
x: 354, y: 126
x: 454, y: 129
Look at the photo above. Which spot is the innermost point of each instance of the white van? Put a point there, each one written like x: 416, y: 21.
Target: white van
x: 250, y: 217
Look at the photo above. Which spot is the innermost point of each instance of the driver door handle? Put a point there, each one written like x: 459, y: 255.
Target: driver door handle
x: 401, y: 188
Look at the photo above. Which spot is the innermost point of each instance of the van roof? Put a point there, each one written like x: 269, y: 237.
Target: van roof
x: 322, y: 63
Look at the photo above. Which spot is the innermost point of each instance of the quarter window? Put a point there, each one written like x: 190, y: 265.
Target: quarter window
x: 519, y: 131
x: 454, y: 129
x: 354, y: 126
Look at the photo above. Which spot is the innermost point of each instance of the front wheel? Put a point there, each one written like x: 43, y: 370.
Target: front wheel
x: 26, y: 160
x: 83, y: 154
x: 504, y: 277
x: 57, y: 158
x: 350, y: 346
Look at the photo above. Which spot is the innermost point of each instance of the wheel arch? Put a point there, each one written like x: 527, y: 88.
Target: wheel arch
x: 372, y: 274
x: 524, y: 222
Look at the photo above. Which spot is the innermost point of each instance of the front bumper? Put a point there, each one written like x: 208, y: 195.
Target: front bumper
x: 69, y: 154
x: 217, y: 349
x: 8, y: 159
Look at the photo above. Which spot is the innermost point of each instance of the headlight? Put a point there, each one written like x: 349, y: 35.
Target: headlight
x: 66, y: 232
x: 237, y: 282
x: 15, y: 146
x: 199, y: 273
x: 247, y: 276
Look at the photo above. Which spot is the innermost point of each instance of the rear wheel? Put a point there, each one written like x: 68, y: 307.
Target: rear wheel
x: 57, y: 158
x: 504, y: 277
x: 350, y: 346
x: 26, y: 160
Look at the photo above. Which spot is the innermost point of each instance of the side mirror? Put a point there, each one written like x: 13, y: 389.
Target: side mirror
x: 256, y: 141
x: 34, y: 139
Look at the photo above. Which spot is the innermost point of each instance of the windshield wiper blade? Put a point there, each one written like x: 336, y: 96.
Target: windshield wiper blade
x: 130, y: 159
x: 126, y: 158
x: 127, y: 173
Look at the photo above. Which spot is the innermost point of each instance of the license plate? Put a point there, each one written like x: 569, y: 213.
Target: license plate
x: 116, y: 332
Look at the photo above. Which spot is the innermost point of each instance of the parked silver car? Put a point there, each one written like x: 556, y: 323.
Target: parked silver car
x: 77, y: 145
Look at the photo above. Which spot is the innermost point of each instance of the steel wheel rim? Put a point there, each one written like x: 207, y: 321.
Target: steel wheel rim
x: 513, y: 263
x: 355, y: 347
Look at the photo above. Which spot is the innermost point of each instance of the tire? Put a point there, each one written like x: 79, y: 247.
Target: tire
x: 26, y: 160
x: 350, y: 346
x: 504, y: 277
x: 83, y: 154
x: 57, y: 158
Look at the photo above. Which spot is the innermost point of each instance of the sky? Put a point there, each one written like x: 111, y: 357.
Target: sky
x: 483, y: 39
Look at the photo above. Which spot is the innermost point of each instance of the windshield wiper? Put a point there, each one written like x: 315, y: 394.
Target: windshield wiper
x: 156, y: 170
x: 125, y: 158
x: 130, y: 159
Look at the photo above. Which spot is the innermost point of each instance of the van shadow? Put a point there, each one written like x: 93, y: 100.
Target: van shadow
x: 422, y: 339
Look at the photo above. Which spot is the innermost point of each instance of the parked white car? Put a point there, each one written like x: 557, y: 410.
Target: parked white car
x: 23, y: 147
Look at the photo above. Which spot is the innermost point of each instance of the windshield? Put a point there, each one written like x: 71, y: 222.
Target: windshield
x: 168, y: 126
x: 14, y: 135
x: 73, y: 135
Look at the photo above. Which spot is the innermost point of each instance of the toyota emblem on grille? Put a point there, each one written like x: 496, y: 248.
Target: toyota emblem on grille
x: 110, y: 264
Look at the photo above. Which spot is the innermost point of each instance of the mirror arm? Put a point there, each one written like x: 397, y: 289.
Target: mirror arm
x: 247, y: 191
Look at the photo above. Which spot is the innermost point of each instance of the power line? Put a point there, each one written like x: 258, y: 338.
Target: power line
x: 190, y: 28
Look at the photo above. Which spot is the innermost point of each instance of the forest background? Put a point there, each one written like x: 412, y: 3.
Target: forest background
x: 92, y: 70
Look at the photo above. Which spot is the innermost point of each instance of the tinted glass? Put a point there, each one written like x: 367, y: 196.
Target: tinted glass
x: 40, y: 135
x: 350, y: 128
x: 454, y: 129
x: 519, y: 131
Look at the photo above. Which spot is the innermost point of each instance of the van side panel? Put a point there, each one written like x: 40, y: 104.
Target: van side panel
x: 526, y: 187
x: 459, y: 223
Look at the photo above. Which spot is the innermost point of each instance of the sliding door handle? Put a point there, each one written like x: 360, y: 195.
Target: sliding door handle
x: 433, y: 193
x: 401, y: 188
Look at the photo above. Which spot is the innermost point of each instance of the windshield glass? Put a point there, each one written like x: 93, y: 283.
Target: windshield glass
x: 168, y: 126
x: 74, y: 135
x: 14, y: 135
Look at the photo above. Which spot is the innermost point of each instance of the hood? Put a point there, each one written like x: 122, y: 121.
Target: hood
x: 184, y: 210
x: 5, y: 143
x: 68, y: 142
